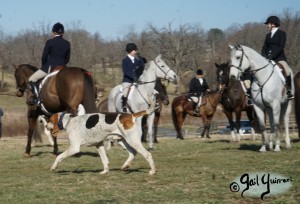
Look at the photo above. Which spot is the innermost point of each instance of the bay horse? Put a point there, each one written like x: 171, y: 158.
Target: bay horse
x: 182, y: 106
x: 268, y: 91
x: 234, y: 101
x: 297, y: 100
x: 63, y: 91
x: 141, y: 94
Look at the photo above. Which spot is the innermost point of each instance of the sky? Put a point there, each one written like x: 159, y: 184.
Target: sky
x: 115, y: 18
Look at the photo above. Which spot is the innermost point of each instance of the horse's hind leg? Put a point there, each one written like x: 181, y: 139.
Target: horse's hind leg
x: 180, y: 117
x: 286, y: 125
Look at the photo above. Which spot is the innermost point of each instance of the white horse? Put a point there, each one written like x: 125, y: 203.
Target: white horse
x: 268, y: 91
x: 141, y: 94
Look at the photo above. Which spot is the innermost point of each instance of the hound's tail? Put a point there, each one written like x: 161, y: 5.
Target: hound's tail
x: 150, y: 110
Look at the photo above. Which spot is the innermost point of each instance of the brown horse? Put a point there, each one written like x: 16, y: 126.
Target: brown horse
x: 234, y: 100
x: 182, y: 106
x: 64, y: 91
x: 297, y: 100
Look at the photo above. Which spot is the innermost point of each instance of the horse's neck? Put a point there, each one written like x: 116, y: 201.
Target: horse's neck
x: 260, y: 66
x: 147, y: 79
x: 214, y: 98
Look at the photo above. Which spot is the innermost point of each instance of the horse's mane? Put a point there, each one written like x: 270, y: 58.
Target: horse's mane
x: 33, y: 68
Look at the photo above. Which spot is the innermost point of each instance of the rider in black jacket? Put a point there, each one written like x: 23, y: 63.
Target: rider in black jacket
x: 273, y: 49
x: 56, y: 53
x: 198, y: 87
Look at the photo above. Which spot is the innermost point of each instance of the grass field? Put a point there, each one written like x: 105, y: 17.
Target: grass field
x: 189, y: 171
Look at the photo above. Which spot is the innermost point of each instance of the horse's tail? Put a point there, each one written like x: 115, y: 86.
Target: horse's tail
x: 174, y: 117
x: 297, y: 99
x: 89, y: 93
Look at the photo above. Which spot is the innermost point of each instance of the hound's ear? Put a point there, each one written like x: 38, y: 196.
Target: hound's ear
x: 231, y: 47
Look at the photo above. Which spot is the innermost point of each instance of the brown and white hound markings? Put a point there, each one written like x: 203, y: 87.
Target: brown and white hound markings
x: 93, y: 129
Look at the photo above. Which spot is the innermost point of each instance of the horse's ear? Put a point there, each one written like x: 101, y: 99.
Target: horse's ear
x: 15, y: 66
x: 158, y: 57
x: 217, y: 65
x: 231, y: 47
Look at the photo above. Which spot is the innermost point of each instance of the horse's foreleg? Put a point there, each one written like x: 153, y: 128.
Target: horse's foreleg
x: 261, y: 118
x: 238, y: 115
x: 31, y: 127
x: 155, y: 126
x: 250, y: 116
x: 150, y: 121
x: 55, y: 146
x: 276, y: 124
x: 29, y: 140
x: 230, y: 120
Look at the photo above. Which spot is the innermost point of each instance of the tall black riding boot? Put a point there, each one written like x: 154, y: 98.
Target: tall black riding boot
x: 289, y: 88
x: 248, y: 94
x: 35, y: 100
x: 124, y: 102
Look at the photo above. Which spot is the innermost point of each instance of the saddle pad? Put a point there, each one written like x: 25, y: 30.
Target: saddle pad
x: 277, y: 68
x: 46, y: 77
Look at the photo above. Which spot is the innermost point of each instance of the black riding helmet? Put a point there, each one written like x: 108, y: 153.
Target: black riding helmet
x: 130, y: 47
x: 199, y: 72
x: 58, y: 28
x: 273, y: 19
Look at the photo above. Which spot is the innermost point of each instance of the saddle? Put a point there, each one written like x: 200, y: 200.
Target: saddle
x: 282, y: 70
x: 38, y: 87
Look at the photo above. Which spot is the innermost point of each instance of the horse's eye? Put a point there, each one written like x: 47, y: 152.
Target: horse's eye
x: 163, y: 66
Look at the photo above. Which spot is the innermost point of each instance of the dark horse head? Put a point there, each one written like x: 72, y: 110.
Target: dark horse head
x: 64, y: 91
x: 234, y: 98
x: 162, y: 92
x: 222, y: 73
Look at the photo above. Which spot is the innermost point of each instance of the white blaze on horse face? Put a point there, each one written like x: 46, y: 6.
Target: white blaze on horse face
x: 236, y: 67
x: 165, y: 71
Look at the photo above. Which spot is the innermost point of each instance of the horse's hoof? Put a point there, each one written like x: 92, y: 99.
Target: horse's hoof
x: 26, y: 155
x: 152, y: 172
x: 155, y: 141
x: 52, y: 169
x: 263, y: 149
x: 277, y: 148
x: 104, y: 172
x: 288, y: 146
x: 150, y: 149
